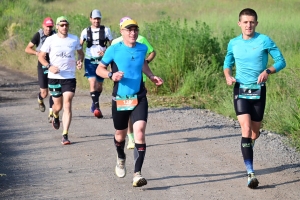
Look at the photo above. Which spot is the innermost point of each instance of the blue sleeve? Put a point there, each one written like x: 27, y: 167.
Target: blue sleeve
x: 276, y: 55
x: 108, y: 56
x: 229, y: 58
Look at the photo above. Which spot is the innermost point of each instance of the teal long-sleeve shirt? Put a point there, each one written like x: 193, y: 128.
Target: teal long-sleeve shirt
x: 251, y: 57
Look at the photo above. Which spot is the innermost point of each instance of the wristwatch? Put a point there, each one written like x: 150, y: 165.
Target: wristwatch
x: 268, y: 71
x: 110, y: 74
x: 48, y: 66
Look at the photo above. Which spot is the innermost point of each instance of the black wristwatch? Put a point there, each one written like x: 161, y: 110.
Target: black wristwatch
x: 48, y: 66
x: 110, y: 74
x: 268, y: 71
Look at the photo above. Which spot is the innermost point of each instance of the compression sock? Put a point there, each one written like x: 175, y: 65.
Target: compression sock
x: 120, y: 148
x: 51, y: 102
x: 95, y: 97
x: 139, y: 155
x: 55, y: 116
x: 247, y: 152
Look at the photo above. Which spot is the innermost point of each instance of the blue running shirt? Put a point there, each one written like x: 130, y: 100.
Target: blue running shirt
x: 251, y: 57
x: 129, y: 60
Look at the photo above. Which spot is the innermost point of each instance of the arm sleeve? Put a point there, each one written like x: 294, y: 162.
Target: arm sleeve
x: 36, y: 39
x: 229, y: 58
x: 150, y: 48
x: 273, y: 50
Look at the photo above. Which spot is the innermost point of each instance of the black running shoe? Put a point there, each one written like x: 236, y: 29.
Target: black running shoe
x: 55, y: 123
x: 65, y: 140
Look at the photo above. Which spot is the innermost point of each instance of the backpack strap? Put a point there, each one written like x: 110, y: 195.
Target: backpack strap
x: 89, y: 37
x: 102, y: 39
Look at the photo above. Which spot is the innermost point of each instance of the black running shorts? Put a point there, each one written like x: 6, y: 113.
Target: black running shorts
x: 254, y: 107
x: 58, y: 86
x: 140, y: 112
x: 42, y: 77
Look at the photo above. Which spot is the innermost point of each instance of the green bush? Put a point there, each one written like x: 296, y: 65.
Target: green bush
x: 182, y: 52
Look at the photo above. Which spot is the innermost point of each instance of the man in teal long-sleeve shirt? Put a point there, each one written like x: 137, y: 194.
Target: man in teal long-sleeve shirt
x: 249, y: 53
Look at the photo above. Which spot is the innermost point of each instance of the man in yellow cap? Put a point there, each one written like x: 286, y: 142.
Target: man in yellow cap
x: 149, y: 57
x: 128, y: 62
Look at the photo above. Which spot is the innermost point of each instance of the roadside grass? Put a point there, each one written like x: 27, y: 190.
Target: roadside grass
x: 190, y: 38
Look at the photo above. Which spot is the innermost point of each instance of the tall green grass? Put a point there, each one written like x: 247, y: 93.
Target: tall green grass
x: 190, y: 38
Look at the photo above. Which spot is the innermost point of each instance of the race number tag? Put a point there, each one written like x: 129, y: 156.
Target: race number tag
x: 126, y: 103
x: 250, y: 91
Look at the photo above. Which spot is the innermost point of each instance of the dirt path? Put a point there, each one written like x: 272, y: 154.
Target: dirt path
x: 191, y: 154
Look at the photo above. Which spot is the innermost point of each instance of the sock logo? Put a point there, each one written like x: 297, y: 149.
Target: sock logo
x: 246, y: 145
x: 141, y: 149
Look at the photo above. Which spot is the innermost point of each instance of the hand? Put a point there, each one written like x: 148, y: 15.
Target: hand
x: 101, y: 53
x: 53, y: 69
x: 157, y: 80
x: 79, y: 64
x: 263, y: 77
x: 117, y: 76
x: 230, y: 80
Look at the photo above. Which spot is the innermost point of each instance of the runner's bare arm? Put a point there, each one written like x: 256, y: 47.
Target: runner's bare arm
x: 155, y: 79
x: 151, y: 56
x: 229, y: 79
x: 42, y: 58
x: 80, y: 58
x: 29, y: 49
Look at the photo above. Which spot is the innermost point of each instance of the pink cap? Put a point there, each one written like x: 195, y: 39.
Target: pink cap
x: 48, y: 21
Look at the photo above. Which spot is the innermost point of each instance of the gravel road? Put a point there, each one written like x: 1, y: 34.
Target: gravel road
x: 191, y: 154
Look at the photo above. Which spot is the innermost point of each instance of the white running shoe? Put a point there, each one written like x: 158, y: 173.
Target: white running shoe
x: 138, y: 180
x: 120, y: 169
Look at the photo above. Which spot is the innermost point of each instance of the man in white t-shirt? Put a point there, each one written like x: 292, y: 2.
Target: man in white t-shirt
x: 62, y: 48
x: 96, y: 37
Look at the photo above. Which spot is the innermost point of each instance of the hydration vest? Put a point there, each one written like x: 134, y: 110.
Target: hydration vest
x: 102, y: 39
x: 43, y: 38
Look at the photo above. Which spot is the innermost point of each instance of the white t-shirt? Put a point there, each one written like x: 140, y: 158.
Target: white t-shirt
x: 62, y: 53
x: 94, y: 49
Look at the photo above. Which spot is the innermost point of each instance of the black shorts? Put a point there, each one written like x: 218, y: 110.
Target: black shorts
x: 254, y: 107
x: 58, y: 86
x: 42, y: 76
x: 120, y: 118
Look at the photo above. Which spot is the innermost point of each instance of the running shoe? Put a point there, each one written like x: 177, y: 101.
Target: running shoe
x: 120, y: 169
x: 98, y: 113
x: 93, y: 107
x: 65, y: 140
x: 252, y: 181
x: 55, y: 123
x: 138, y: 180
x: 42, y: 106
x: 50, y: 118
x: 130, y: 144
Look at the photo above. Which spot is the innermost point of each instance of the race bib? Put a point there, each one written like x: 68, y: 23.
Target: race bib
x: 126, y: 103
x: 249, y: 91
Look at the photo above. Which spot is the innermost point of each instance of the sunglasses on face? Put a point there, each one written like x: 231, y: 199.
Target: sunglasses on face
x: 62, y: 25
